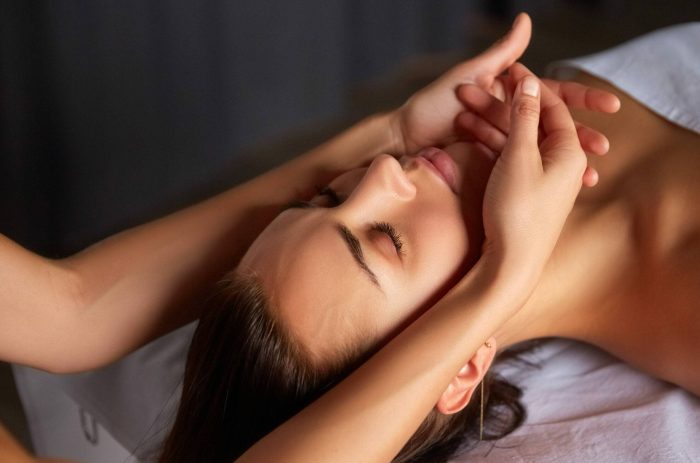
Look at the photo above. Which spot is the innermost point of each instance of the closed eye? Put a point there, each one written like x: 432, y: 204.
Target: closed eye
x: 331, y: 194
x: 326, y: 191
x: 390, y: 231
x: 335, y: 200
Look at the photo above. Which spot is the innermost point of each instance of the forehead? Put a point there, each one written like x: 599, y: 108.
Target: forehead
x: 312, y: 280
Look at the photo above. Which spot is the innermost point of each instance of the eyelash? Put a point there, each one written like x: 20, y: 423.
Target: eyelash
x: 382, y: 227
x: 330, y: 193
x: 320, y: 191
x: 390, y: 231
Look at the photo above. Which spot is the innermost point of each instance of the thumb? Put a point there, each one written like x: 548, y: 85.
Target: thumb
x: 525, y: 116
x: 505, y: 51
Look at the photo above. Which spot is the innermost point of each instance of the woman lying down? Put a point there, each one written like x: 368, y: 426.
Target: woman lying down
x: 360, y: 323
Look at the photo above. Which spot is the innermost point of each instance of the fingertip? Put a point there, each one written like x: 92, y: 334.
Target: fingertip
x: 520, y: 20
x: 603, y: 101
x: 595, y: 142
x: 590, y: 177
x: 466, y: 91
x: 615, y: 104
x: 530, y: 86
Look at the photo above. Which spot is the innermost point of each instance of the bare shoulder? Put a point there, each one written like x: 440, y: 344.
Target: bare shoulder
x: 671, y: 304
x: 653, y: 167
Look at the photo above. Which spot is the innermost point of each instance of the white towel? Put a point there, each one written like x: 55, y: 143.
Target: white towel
x: 661, y: 70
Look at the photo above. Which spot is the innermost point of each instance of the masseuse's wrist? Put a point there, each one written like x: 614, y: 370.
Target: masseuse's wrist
x: 359, y: 145
x: 495, y: 279
x: 396, y: 129
x: 389, y: 125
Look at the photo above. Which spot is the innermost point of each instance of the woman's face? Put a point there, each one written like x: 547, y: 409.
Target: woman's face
x: 358, y: 267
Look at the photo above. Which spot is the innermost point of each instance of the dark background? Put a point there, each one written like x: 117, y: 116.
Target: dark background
x: 115, y: 112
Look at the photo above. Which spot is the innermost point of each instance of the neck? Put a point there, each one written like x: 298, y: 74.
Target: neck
x: 580, y: 288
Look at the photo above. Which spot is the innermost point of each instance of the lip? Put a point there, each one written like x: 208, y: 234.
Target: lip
x: 440, y: 163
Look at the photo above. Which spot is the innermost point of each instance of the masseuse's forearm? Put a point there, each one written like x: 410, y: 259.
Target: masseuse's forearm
x: 98, y: 305
x: 382, y: 403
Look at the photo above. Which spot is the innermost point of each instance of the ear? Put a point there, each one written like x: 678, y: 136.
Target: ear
x: 460, y: 390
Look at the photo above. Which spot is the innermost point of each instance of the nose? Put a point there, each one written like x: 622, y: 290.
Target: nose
x: 383, y: 184
x: 386, y: 177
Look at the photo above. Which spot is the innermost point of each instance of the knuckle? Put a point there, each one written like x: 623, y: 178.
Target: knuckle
x: 527, y: 109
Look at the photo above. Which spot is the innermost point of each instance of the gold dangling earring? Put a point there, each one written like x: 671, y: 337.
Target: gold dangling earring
x: 481, y: 412
x: 481, y: 408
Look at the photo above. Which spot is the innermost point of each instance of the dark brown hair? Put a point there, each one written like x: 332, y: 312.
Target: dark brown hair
x: 246, y: 374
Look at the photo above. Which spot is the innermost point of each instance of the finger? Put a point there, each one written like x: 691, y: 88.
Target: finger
x: 590, y: 177
x: 581, y: 96
x: 574, y: 95
x: 498, y: 88
x: 480, y: 130
x: 556, y: 116
x: 591, y: 140
x: 504, y: 52
x: 486, y: 151
x: 497, y: 114
x: 524, y: 118
x: 561, y: 149
x: 492, y: 109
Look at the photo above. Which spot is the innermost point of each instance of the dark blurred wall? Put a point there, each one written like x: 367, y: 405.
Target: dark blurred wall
x: 112, y: 111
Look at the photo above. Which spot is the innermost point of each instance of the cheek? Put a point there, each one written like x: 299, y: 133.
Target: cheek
x: 437, y: 268
x: 441, y: 245
x: 439, y: 236
x: 446, y: 244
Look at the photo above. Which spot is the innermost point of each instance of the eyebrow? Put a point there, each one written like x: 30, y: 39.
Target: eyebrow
x: 353, y: 244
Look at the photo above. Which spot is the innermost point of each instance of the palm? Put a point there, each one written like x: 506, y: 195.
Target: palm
x: 428, y: 118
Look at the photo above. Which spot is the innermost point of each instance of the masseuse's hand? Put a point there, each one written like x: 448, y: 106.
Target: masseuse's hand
x: 488, y: 120
x: 428, y: 117
x: 533, y: 185
x: 435, y: 116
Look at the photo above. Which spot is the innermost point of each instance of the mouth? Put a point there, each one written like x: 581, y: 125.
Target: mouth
x: 441, y: 164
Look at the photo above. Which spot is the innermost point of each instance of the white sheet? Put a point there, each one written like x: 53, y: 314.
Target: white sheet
x: 661, y: 70
x: 586, y: 406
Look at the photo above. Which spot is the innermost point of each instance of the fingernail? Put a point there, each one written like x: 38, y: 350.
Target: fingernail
x: 530, y: 86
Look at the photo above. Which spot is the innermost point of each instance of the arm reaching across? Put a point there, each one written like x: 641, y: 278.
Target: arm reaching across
x: 96, y: 306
